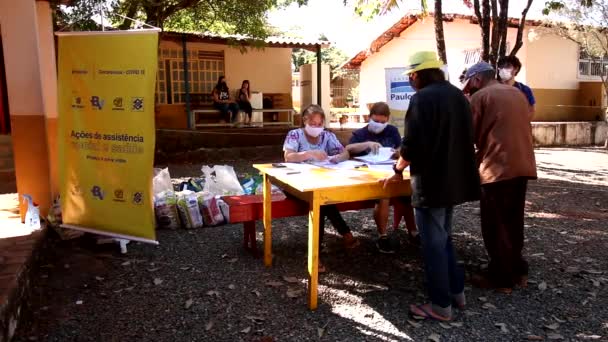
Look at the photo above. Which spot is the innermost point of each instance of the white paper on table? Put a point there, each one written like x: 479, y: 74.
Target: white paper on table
x: 345, y: 165
x: 384, y: 156
x: 302, y: 167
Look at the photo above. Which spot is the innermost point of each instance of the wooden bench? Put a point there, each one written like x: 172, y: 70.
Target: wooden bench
x: 247, y: 209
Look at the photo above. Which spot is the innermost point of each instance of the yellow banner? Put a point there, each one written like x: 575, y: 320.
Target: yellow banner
x: 106, y: 131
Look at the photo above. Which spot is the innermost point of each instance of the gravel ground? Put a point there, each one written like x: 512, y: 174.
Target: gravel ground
x: 201, y: 286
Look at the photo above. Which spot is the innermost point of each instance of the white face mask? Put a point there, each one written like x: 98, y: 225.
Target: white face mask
x: 505, y: 74
x: 376, y: 127
x: 313, y: 131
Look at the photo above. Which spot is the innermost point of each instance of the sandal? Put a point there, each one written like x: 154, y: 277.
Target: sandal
x: 425, y: 311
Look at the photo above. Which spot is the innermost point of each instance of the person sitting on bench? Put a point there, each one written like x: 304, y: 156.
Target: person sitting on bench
x: 314, y: 143
x: 245, y: 100
x: 222, y: 102
x: 378, y: 133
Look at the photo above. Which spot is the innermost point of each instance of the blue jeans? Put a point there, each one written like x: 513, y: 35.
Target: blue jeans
x: 229, y: 111
x: 444, y: 276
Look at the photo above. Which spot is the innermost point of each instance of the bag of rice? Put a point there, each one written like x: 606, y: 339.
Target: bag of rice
x: 208, y: 206
x: 187, y: 204
x: 165, y: 208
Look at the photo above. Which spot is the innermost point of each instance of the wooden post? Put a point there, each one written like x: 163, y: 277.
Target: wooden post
x: 267, y: 222
x: 313, y: 250
x: 187, y: 82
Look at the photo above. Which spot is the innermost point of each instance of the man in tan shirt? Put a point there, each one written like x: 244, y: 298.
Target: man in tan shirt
x: 505, y: 156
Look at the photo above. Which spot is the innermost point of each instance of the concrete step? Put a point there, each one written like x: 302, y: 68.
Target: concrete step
x: 6, y: 163
x: 6, y: 150
x: 7, y: 175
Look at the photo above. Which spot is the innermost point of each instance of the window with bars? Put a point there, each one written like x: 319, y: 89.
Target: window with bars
x: 473, y: 56
x: 204, y: 68
x: 590, y: 67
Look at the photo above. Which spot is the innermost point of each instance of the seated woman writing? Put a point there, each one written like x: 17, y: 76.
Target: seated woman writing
x: 378, y: 133
x: 222, y: 102
x: 314, y: 143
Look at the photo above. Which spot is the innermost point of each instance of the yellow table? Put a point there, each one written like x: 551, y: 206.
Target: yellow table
x: 319, y: 187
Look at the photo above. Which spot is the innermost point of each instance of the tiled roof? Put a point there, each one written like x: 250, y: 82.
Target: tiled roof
x: 206, y: 37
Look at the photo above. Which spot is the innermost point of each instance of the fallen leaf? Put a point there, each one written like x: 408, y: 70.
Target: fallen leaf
x: 553, y: 326
x: 274, y: 284
x: 483, y: 299
x: 594, y: 272
x: 554, y: 336
x: 434, y: 337
x: 320, y: 332
x: 153, y: 269
x: 233, y: 260
x: 158, y: 281
x: 558, y: 320
x: 256, y: 292
x: 595, y: 282
x: 572, y: 269
x: 445, y: 326
x: 534, y: 338
x: 224, y: 256
x: 418, y: 318
x: 292, y: 280
x: 457, y: 324
x: 79, y: 302
x: 231, y: 286
x: 588, y: 337
x: 188, y: 304
x: 213, y: 293
x: 99, y: 278
x: 489, y: 306
x: 126, y: 263
x: 503, y: 327
x: 184, y: 268
x: 542, y: 286
x: 294, y: 293
x: 414, y: 324
x: 471, y: 313
x: 537, y: 254
x: 246, y: 330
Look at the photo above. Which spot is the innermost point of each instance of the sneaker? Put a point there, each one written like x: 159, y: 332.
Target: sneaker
x: 384, y: 245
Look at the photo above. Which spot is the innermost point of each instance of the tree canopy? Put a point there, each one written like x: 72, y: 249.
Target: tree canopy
x: 218, y: 16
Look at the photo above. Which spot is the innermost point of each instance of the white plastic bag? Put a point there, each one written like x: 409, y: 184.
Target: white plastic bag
x: 224, y: 183
x: 187, y: 204
x: 276, y: 194
x: 32, y: 215
x: 161, y: 181
x: 210, y: 210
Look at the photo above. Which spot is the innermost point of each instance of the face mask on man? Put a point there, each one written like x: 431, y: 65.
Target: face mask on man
x: 376, y: 127
x: 505, y: 74
x: 313, y: 131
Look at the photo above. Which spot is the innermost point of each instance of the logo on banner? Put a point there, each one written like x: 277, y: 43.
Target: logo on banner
x: 401, y: 90
x: 119, y: 195
x: 77, y: 102
x: 97, y: 103
x: 97, y: 193
x: 117, y: 104
x: 138, y: 198
x: 137, y: 104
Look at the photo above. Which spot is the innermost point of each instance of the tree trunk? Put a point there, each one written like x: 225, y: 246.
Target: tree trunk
x: 495, y: 36
x: 520, y: 30
x: 439, y: 37
x: 502, y: 29
x: 485, y: 30
x: 131, y: 12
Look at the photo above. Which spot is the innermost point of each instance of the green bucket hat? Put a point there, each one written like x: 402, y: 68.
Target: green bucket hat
x: 423, y: 60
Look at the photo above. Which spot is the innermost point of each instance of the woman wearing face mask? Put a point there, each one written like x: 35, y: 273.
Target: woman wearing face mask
x: 508, y: 68
x: 314, y: 143
x: 379, y: 133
